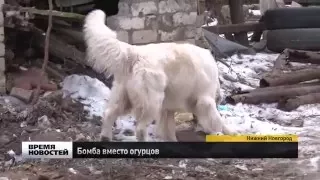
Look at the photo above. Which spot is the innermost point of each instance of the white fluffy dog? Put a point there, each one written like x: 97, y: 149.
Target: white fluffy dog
x: 153, y: 81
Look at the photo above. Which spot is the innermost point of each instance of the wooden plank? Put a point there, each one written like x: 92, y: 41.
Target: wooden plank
x: 235, y: 28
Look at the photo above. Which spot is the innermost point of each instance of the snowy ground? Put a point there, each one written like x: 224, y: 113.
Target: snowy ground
x: 66, y: 122
x: 245, y: 119
x: 266, y: 118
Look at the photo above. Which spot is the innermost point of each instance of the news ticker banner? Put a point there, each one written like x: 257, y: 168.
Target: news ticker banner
x: 249, y: 146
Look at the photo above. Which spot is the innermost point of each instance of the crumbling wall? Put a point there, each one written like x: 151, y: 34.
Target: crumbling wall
x: 148, y: 21
x: 2, y: 52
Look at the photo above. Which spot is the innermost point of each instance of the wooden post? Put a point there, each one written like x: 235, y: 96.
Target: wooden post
x: 237, y: 16
x: 215, y: 8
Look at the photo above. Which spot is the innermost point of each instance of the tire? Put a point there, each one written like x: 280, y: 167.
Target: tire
x: 300, y: 39
x: 309, y: 2
x: 292, y: 18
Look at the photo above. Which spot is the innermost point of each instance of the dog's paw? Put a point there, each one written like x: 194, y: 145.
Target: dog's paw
x: 199, y: 128
x: 218, y: 134
x: 231, y: 132
x: 105, y: 139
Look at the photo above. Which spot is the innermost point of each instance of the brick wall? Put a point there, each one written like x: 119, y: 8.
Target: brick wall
x: 142, y: 22
x: 148, y: 21
x: 2, y: 51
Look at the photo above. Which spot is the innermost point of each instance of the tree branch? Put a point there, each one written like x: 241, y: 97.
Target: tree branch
x: 46, y: 52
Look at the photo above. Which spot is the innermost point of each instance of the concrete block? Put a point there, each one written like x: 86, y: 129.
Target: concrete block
x: 22, y: 94
x: 1, y: 31
x: 1, y: 18
x: 190, y: 41
x: 168, y: 6
x: 3, y: 90
x: 200, y: 20
x: 174, y: 35
x: 2, y: 49
x: 151, y: 22
x: 182, y: 18
x: 124, y: 9
x: 200, y: 43
x: 144, y: 36
x: 144, y: 8
x: 2, y: 64
x: 190, y: 32
x: 165, y: 22
x: 135, y: 1
x: 123, y: 36
x: 171, y: 6
x: 193, y: 32
x: 193, y: 5
x: 199, y: 33
x: 2, y: 83
x: 1, y: 34
x: 125, y: 23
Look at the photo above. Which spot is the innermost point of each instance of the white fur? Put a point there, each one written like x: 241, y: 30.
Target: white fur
x: 153, y: 81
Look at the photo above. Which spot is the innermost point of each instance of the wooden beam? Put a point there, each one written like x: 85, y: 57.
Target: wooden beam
x: 236, y: 28
x: 237, y: 16
x: 34, y: 11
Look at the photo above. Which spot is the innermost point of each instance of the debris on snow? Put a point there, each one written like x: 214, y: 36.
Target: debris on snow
x: 241, y: 167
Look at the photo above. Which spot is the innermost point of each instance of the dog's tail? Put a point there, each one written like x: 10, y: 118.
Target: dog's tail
x: 104, y: 50
x: 96, y: 19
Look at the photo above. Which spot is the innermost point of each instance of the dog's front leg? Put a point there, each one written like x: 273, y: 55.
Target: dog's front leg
x: 209, y: 119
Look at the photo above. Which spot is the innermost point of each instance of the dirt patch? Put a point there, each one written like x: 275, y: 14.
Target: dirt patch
x: 144, y: 169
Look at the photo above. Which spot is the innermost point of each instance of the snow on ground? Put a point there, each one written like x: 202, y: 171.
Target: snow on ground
x: 90, y: 91
x: 255, y: 12
x: 213, y: 23
x: 266, y: 118
x: 245, y: 73
x: 94, y: 95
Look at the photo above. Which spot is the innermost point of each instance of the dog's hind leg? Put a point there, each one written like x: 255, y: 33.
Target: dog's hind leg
x: 148, y: 109
x: 109, y: 118
x: 118, y: 105
x: 165, y: 127
x: 143, y: 118
x: 146, y: 96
